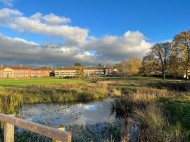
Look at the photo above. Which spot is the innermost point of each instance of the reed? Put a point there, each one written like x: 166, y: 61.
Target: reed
x: 12, y: 97
x: 10, y: 100
x: 141, y: 108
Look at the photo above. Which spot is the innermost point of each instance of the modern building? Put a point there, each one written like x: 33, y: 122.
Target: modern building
x: 90, y: 71
x: 65, y: 72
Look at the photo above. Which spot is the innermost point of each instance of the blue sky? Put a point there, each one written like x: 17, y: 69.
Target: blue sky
x: 93, y: 29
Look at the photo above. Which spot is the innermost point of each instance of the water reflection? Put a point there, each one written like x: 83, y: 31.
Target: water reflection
x: 68, y: 114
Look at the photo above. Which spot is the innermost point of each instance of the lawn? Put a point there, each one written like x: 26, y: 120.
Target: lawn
x: 36, y: 81
x: 137, y: 80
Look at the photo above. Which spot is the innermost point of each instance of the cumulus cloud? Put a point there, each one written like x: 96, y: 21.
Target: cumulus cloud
x: 54, y: 20
x: 19, y: 51
x: 116, y: 48
x: 50, y: 25
x: 7, y: 2
x: 78, y: 45
x: 105, y: 50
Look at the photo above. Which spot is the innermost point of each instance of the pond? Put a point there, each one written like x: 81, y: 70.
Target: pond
x: 54, y: 114
x: 91, y: 121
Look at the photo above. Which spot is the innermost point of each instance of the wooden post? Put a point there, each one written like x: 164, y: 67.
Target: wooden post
x: 60, y: 128
x: 10, y: 121
x: 8, y: 132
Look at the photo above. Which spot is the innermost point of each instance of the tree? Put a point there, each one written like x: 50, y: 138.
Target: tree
x: 175, y: 67
x: 150, y: 66
x: 182, y: 44
x: 79, y: 72
x: 129, y: 67
x: 162, y: 52
x: 78, y: 65
x: 100, y: 65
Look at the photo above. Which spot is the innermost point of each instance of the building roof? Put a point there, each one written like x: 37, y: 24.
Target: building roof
x: 67, y: 68
x: 15, y: 67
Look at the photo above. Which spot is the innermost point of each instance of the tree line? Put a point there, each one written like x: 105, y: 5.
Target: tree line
x: 165, y: 59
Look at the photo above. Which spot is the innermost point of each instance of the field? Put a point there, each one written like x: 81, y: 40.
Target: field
x: 40, y: 81
x: 36, y: 81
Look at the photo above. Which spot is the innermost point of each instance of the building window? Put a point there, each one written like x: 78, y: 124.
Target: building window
x: 56, y: 73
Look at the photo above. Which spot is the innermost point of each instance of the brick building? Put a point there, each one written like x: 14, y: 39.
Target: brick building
x: 22, y: 72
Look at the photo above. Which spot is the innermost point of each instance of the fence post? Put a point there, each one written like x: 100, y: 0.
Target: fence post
x: 8, y: 132
x: 60, y: 128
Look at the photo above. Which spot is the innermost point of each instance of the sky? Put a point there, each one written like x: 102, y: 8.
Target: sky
x: 62, y: 32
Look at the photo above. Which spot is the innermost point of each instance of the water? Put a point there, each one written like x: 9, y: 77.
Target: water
x: 86, y: 121
x: 55, y: 115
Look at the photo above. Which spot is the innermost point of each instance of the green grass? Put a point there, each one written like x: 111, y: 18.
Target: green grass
x: 37, y: 81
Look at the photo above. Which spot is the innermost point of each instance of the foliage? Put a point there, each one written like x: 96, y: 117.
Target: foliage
x: 129, y: 67
x: 78, y: 64
x: 12, y: 97
x: 79, y: 72
x: 162, y: 52
x: 182, y: 44
x: 173, y: 58
x: 150, y: 65
x: 10, y: 100
x: 143, y: 108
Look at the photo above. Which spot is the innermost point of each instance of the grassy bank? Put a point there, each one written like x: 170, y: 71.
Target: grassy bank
x: 161, y: 114
x: 159, y: 108
x: 12, y: 97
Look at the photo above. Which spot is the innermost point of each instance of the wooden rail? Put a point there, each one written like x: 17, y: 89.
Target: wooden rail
x: 10, y: 121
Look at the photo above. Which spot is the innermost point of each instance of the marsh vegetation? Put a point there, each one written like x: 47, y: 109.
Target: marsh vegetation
x: 148, y: 108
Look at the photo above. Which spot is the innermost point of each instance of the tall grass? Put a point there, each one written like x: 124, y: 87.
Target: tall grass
x: 66, y: 92
x: 10, y: 100
x: 12, y: 97
x: 142, y: 109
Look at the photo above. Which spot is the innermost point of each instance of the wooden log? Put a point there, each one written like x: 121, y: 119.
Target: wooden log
x: 8, y: 132
x: 53, y: 133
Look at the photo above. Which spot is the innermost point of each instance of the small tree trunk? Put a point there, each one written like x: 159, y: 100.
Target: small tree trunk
x: 187, y: 75
x: 164, y: 76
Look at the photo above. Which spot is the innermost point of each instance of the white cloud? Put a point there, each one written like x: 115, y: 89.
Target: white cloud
x: 7, y: 2
x: 78, y: 46
x: 105, y: 50
x: 50, y: 25
x: 54, y: 20
x: 115, y: 48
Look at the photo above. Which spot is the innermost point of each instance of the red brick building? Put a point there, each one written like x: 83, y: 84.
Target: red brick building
x: 22, y: 72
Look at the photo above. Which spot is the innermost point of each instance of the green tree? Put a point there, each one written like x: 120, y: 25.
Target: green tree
x: 100, y: 65
x: 78, y: 64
